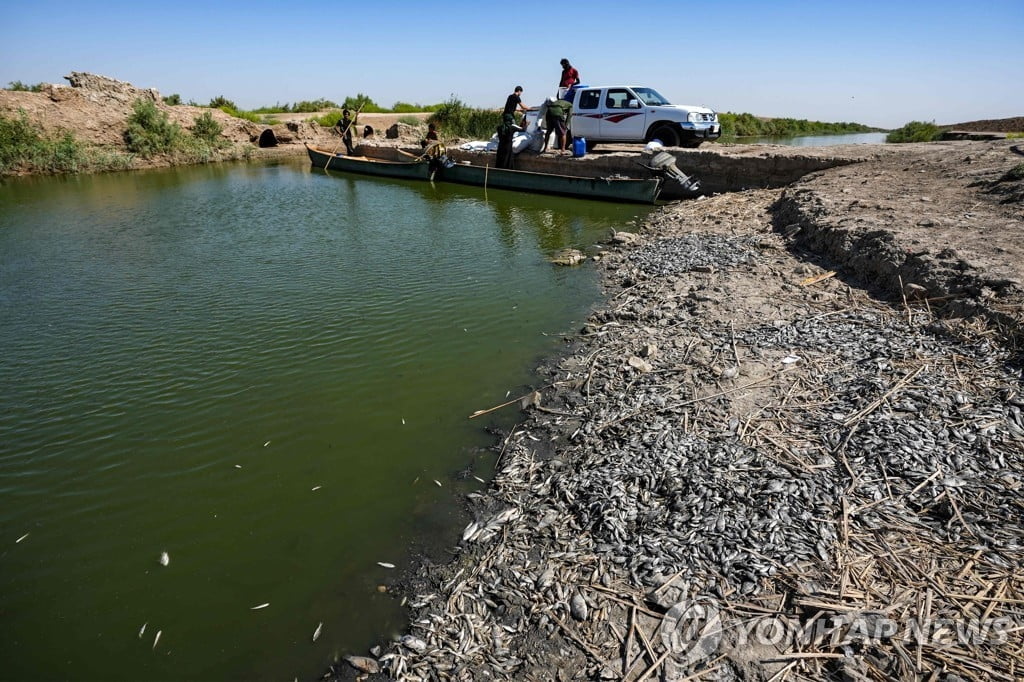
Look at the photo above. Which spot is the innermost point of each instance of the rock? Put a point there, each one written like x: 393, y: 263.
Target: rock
x: 649, y: 351
x: 363, y: 664
x: 401, y: 130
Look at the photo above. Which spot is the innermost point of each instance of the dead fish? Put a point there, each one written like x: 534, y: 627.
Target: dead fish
x: 21, y: 538
x: 385, y: 564
x: 266, y: 444
x: 142, y: 630
x: 261, y: 606
x: 317, y: 487
x: 363, y: 664
x: 437, y: 482
x: 316, y: 633
x: 157, y: 638
x: 165, y: 558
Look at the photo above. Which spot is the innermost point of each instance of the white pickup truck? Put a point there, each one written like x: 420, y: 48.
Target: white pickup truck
x: 627, y: 113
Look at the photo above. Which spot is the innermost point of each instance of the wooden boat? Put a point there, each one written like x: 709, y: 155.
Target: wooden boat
x: 412, y: 170
x: 635, y: 190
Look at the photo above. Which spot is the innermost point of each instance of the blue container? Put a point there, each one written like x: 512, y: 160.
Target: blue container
x: 579, y: 146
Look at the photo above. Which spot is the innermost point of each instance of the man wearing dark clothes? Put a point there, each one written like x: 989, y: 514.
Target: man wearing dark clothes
x: 508, y: 121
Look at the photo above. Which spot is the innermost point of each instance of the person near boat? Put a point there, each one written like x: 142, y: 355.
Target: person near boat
x: 508, y: 126
x: 570, y: 77
x: 557, y: 115
x: 344, y: 126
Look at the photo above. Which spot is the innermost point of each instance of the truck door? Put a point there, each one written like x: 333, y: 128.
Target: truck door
x: 586, y: 114
x: 623, y: 117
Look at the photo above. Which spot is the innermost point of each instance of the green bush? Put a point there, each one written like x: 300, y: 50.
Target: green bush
x: 314, y: 106
x: 17, y: 138
x: 172, y: 100
x: 149, y: 131
x: 459, y: 120
x: 206, y: 128
x: 748, y: 125
x: 220, y: 102
x: 410, y: 120
x: 23, y: 146
x: 915, y: 131
x: 24, y: 87
x: 363, y: 103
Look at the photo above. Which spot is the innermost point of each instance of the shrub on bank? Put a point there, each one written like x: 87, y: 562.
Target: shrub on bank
x: 748, y: 125
x: 206, y: 128
x: 24, y: 147
x: 150, y: 131
x: 916, y: 131
x: 18, y: 86
x: 459, y: 120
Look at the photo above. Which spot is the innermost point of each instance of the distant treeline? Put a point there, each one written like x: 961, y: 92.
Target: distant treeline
x: 748, y: 125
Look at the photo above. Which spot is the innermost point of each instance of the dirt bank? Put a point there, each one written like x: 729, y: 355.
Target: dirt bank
x: 95, y: 109
x: 798, y: 409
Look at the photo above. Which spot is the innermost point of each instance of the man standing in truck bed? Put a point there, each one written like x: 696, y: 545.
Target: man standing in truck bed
x: 570, y: 77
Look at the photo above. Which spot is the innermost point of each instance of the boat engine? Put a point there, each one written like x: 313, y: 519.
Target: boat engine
x: 666, y: 164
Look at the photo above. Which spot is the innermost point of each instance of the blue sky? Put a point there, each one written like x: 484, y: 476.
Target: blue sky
x: 879, y: 63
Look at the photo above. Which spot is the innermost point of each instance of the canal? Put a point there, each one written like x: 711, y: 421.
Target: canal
x: 233, y: 396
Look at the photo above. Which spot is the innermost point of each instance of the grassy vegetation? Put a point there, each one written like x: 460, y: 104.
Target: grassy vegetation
x: 748, y: 125
x: 24, y: 87
x: 916, y: 131
x: 24, y: 147
x: 151, y: 133
x: 458, y: 120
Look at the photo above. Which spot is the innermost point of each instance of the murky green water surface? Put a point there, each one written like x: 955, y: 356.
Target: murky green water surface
x: 262, y: 371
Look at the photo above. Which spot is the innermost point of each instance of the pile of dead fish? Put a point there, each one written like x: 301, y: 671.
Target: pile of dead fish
x: 871, y: 409
x: 674, y: 255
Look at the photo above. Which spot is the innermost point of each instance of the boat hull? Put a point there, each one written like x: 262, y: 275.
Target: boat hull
x: 411, y: 170
x: 635, y: 190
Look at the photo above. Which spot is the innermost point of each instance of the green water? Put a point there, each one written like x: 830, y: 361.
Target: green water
x: 262, y: 371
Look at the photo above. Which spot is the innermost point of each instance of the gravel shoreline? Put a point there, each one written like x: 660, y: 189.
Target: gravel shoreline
x: 743, y: 435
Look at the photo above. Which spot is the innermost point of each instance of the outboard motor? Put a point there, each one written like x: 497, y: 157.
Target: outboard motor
x: 666, y: 163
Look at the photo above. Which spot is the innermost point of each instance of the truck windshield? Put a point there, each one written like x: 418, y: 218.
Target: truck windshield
x: 650, y: 97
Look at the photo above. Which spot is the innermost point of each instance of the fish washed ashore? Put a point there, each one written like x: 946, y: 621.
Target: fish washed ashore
x: 787, y: 446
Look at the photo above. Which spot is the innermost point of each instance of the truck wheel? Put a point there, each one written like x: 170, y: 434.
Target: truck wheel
x: 668, y: 136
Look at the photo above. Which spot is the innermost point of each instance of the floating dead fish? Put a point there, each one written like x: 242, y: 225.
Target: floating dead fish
x: 266, y: 444
x: 316, y: 487
x: 142, y: 630
x: 403, y: 421
x: 316, y: 633
x: 21, y: 538
x: 156, y: 639
x: 437, y: 482
x: 261, y: 606
x: 363, y: 664
x: 385, y: 564
x: 165, y: 558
